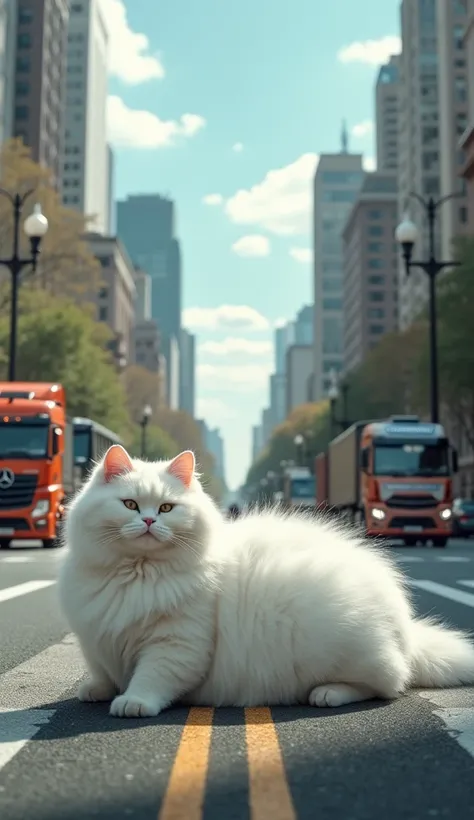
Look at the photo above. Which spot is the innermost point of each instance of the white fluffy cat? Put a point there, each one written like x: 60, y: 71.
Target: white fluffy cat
x: 172, y: 603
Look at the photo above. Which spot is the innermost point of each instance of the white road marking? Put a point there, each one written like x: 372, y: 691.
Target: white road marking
x: 453, y: 559
x: 16, y: 559
x: 410, y: 559
x: 458, y: 719
x: 467, y: 583
x: 450, y: 593
x: 23, y: 589
x: 24, y: 689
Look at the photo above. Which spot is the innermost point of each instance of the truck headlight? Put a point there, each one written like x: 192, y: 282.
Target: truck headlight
x: 446, y: 514
x: 378, y: 513
x: 42, y: 507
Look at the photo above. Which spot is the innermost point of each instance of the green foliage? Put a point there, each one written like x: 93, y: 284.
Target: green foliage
x: 159, y: 445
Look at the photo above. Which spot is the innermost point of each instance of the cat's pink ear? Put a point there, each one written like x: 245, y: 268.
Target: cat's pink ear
x: 116, y: 462
x: 182, y: 467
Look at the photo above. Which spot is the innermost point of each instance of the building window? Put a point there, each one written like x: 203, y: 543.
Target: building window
x: 22, y: 112
x: 332, y: 304
x: 376, y: 279
x: 24, y: 40
x: 332, y: 335
x: 23, y: 65
x: 463, y: 215
x: 339, y: 196
x: 22, y: 88
x: 341, y: 178
x: 376, y: 330
x: 376, y: 296
x: 375, y: 264
x: 376, y: 313
x: 25, y: 16
x: 103, y: 314
x: 374, y: 247
x: 375, y: 214
x: 104, y: 292
x: 375, y: 230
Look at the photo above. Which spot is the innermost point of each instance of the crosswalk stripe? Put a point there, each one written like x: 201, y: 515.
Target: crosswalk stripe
x: 52, y: 672
x: 23, y: 589
x: 444, y: 591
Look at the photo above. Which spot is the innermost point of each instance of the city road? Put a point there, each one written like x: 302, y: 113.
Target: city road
x: 63, y: 760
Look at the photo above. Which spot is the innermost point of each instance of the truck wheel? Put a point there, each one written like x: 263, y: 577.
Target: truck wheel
x: 4, y: 544
x: 51, y: 543
x: 410, y: 542
x: 440, y: 542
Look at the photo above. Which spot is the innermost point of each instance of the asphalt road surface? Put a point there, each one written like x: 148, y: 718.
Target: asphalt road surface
x: 63, y: 760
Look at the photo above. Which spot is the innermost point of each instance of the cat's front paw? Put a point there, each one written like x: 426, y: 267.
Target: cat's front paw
x: 96, y: 691
x: 132, y: 706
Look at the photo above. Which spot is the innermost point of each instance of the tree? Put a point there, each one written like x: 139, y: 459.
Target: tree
x: 142, y: 387
x: 159, y: 445
x: 59, y: 341
x: 66, y: 266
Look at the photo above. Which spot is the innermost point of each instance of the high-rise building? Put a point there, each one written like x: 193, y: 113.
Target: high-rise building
x: 188, y: 372
x: 336, y: 185
x: 370, y: 268
x: 8, y: 28
x: 257, y: 441
x: 215, y: 446
x: 85, y: 173
x: 145, y: 224
x: 111, y: 229
x: 304, y: 326
x: 284, y: 337
x: 467, y: 139
x: 386, y: 114
x: 143, y: 299
x: 40, y: 79
x: 453, y: 110
x: 299, y: 366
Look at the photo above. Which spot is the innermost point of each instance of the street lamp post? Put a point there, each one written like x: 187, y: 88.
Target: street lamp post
x: 407, y: 234
x: 333, y: 394
x: 299, y: 444
x: 147, y: 411
x: 35, y: 227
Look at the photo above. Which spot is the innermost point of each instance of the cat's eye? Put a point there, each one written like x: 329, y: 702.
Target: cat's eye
x: 166, y: 508
x: 130, y: 504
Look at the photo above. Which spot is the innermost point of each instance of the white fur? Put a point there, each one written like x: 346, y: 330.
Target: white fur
x: 268, y: 609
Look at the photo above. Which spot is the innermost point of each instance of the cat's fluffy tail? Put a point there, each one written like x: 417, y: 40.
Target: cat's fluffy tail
x: 440, y: 656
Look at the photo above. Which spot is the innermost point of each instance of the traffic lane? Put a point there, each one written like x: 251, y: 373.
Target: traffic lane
x: 30, y: 622
x: 363, y: 762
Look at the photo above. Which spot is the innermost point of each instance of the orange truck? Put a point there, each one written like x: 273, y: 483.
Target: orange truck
x: 395, y: 477
x: 36, y: 461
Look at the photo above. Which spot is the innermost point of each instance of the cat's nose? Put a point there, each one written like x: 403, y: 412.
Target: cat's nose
x: 149, y: 521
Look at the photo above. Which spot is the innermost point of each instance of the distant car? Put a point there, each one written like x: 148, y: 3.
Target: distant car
x: 463, y: 518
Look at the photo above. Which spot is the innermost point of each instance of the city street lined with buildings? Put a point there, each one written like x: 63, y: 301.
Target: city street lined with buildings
x: 67, y: 760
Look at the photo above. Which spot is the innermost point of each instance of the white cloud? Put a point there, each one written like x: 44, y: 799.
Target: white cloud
x: 214, y: 411
x: 241, y: 377
x: 128, y: 52
x: 371, y: 52
x: 369, y: 164
x: 213, y: 199
x: 281, y: 202
x: 363, y: 129
x: 238, y: 147
x: 303, y: 255
x: 132, y: 128
x: 224, y: 317
x: 233, y: 345
x: 254, y: 245
x: 281, y: 322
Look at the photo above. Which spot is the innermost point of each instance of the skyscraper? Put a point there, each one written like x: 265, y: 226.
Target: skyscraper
x: 386, y: 114
x: 188, y: 372
x: 8, y: 27
x: 145, y: 224
x: 40, y: 79
x: 85, y: 173
x: 336, y: 185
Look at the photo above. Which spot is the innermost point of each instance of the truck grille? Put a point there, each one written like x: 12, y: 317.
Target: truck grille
x: 20, y: 494
x: 399, y: 522
x: 16, y: 524
x: 412, y: 502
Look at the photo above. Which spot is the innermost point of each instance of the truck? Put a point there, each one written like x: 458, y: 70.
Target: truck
x: 396, y: 478
x: 299, y: 488
x: 36, y: 462
x: 91, y: 441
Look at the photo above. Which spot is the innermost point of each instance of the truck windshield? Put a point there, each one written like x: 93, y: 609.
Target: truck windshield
x: 82, y: 446
x: 24, y: 440
x: 411, y: 460
x: 303, y: 487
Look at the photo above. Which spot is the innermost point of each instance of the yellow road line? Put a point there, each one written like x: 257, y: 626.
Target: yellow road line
x: 184, y: 796
x: 269, y: 791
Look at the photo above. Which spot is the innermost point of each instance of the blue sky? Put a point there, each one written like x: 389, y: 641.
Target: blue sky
x: 225, y: 106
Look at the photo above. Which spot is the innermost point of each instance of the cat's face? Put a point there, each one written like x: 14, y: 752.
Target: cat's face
x: 143, y: 509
